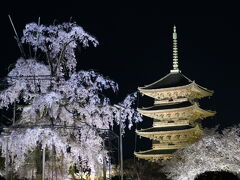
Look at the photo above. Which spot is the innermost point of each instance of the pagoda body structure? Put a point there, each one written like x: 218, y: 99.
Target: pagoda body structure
x: 176, y: 112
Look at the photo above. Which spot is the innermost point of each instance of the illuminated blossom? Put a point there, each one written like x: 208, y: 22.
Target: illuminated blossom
x: 215, y: 152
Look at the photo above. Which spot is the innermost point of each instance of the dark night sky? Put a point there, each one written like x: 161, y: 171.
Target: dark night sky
x: 135, y: 50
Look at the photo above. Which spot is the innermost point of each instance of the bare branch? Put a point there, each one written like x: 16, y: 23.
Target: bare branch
x: 17, y: 38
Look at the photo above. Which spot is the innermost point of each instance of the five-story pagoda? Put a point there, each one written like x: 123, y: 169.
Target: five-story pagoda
x: 175, y: 112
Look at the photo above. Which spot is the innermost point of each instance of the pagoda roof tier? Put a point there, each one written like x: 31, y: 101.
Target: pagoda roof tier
x: 168, y: 146
x: 169, y: 106
x: 172, y: 135
x: 168, y: 81
x: 178, y: 111
x: 158, y: 123
x: 167, y: 128
x: 155, y: 154
x: 175, y: 86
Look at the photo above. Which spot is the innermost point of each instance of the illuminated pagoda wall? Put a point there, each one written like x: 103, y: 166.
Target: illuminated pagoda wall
x: 176, y: 112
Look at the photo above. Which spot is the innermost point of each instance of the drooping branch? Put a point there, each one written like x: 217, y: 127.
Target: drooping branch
x: 62, y: 53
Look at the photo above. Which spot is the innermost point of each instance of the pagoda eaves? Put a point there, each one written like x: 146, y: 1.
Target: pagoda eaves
x: 154, y: 156
x: 191, y: 112
x: 187, y: 135
x: 190, y: 91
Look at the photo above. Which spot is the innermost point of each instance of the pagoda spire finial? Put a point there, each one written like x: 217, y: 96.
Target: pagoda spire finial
x: 175, y: 51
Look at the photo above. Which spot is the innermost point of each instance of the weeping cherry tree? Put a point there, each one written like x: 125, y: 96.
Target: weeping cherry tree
x: 59, y: 109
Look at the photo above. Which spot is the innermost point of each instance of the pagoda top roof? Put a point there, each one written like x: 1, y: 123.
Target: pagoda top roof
x: 167, y: 128
x: 157, y: 151
x: 172, y: 79
x: 169, y: 106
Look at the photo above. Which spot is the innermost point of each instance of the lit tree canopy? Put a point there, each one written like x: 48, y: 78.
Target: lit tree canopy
x: 58, y: 42
x: 55, y: 95
x: 215, y: 152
